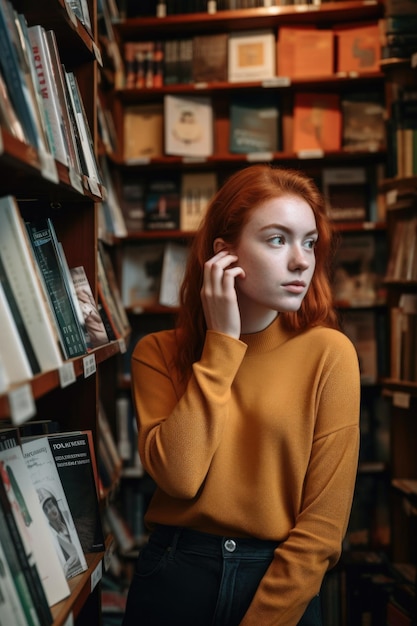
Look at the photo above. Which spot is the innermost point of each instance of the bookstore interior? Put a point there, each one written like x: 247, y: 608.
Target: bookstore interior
x: 119, y: 120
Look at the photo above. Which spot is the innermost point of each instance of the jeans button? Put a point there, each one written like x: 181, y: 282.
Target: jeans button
x: 230, y: 545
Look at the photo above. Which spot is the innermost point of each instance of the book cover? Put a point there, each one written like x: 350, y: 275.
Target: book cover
x: 48, y: 89
x: 75, y: 465
x: 197, y: 190
x: 32, y: 523
x: 63, y: 97
x: 107, y: 306
x: 305, y: 52
x: 188, y: 126
x: 106, y: 263
x: 16, y: 562
x: 357, y: 274
x: 92, y: 318
x: 16, y: 73
x: 317, y: 122
x: 363, y: 122
x: 141, y: 275
x: 346, y: 192
x: 162, y: 204
x: 51, y: 494
x: 359, y: 48
x: 19, y: 265
x: 84, y: 133
x: 210, y: 58
x: 130, y: 189
x: 11, y: 609
x: 253, y: 126
x: 71, y: 335
x: 16, y: 363
x: 251, y: 56
x: 143, y: 131
x: 173, y: 267
x: 8, y: 117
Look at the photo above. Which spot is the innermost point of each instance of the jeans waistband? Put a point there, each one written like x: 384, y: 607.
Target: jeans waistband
x: 210, y: 544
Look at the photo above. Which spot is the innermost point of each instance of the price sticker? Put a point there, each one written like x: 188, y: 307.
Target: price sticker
x: 89, y: 364
x: 97, y: 575
x: 21, y: 403
x: 67, y: 374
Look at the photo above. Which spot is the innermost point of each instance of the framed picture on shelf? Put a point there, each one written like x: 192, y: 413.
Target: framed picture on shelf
x: 252, y: 56
x: 188, y: 126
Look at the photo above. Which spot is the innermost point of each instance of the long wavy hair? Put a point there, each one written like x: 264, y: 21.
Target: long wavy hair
x: 227, y: 214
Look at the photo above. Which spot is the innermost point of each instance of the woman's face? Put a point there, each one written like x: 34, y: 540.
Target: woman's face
x: 276, y: 251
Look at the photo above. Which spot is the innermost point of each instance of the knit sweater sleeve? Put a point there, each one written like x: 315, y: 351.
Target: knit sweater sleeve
x: 314, y: 543
x: 178, y: 436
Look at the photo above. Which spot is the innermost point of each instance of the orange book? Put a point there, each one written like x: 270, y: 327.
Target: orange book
x: 358, y: 48
x: 317, y: 122
x: 305, y: 52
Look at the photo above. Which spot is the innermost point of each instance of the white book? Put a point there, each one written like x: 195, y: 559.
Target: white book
x: 15, y: 360
x: 188, y: 126
x: 15, y: 251
x: 33, y: 524
x: 173, y: 266
x: 45, y: 477
x: 49, y: 92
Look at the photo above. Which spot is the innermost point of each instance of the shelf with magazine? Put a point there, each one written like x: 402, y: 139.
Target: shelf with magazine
x: 51, y: 357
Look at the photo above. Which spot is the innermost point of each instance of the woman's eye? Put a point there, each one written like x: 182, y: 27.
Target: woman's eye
x: 311, y: 244
x: 276, y: 240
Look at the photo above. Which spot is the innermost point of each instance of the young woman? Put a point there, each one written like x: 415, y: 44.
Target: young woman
x: 248, y: 418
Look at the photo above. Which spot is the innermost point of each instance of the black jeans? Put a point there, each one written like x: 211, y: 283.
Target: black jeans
x: 187, y: 578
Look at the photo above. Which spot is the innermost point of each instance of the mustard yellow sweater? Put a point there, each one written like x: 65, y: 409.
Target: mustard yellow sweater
x: 262, y: 442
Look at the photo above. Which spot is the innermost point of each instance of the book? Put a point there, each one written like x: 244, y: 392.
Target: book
x: 84, y: 132
x: 305, y: 52
x: 19, y: 265
x: 357, y: 271
x: 51, y: 494
x: 74, y: 457
x: 92, y: 318
x: 11, y: 609
x: 346, y: 191
x: 130, y: 189
x: 59, y: 81
x: 43, y: 241
x: 105, y: 261
x: 50, y: 100
x: 18, y: 320
x: 17, y: 563
x: 360, y: 327
x: 251, y: 55
x: 173, y: 267
x: 8, y: 117
x: 188, y: 127
x: 253, y: 126
x: 16, y: 74
x: 210, y: 58
x: 32, y: 523
x: 363, y: 122
x: 197, y: 189
x: 317, y: 122
x: 16, y: 364
x: 143, y: 131
x: 358, y: 48
x: 162, y: 204
x: 110, y: 205
x: 141, y: 275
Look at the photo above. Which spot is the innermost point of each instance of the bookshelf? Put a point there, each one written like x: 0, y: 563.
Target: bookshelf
x: 44, y: 186
x: 282, y: 90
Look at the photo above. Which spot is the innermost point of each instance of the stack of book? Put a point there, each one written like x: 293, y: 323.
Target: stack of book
x: 49, y: 519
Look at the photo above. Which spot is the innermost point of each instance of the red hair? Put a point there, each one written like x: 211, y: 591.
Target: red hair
x: 227, y: 214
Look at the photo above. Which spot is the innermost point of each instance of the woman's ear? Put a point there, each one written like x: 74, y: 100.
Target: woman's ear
x: 219, y: 244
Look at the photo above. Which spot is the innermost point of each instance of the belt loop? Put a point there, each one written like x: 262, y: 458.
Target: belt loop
x: 173, y: 547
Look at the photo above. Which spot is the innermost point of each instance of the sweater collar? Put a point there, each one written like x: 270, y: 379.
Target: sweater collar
x: 266, y: 340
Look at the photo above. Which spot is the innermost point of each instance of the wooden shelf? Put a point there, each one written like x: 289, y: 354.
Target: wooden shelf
x: 245, y: 19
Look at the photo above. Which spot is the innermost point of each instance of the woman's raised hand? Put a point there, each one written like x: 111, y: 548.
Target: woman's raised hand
x: 218, y: 294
